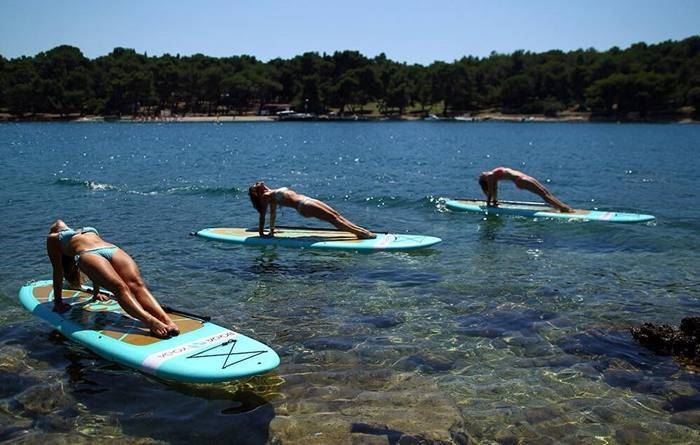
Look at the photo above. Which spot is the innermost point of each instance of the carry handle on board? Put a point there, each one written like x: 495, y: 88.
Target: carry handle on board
x: 173, y: 310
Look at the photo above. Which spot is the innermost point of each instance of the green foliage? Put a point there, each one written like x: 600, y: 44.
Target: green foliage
x: 639, y: 92
x: 642, y: 79
x: 516, y: 91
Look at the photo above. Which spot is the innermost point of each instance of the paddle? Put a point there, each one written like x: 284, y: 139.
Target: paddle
x: 324, y: 229
x: 503, y: 201
x: 527, y: 203
x: 173, y: 310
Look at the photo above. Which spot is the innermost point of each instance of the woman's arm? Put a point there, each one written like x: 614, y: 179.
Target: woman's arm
x: 261, y: 222
x: 493, y: 190
x: 273, y: 216
x: 53, y: 250
x: 264, y: 202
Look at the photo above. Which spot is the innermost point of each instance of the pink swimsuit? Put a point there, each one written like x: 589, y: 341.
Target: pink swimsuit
x: 518, y: 179
x: 498, y: 172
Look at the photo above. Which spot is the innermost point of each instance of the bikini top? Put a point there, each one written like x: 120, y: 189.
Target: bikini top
x: 67, y: 234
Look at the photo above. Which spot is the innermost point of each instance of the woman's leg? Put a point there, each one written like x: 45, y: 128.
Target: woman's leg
x: 534, y: 186
x: 319, y: 209
x: 128, y: 270
x: 100, y: 270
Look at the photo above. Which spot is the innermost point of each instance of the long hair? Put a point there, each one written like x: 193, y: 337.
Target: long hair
x: 71, y: 273
x: 255, y: 197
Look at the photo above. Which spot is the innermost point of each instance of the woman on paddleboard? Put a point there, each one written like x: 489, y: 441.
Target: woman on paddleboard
x: 72, y: 251
x: 263, y: 197
x: 489, y: 184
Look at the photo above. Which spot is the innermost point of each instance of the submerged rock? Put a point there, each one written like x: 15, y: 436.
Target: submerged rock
x: 687, y: 418
x: 664, y: 339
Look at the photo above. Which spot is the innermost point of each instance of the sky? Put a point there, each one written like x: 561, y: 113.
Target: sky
x: 405, y: 31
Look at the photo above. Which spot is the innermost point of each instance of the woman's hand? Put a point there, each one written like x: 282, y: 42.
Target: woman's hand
x: 60, y: 307
x: 101, y: 296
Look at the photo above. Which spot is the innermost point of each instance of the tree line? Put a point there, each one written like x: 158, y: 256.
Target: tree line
x: 643, y: 79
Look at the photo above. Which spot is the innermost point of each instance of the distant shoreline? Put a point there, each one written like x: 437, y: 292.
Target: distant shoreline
x: 484, y: 116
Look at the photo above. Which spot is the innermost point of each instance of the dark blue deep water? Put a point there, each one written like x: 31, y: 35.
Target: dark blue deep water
x: 510, y: 331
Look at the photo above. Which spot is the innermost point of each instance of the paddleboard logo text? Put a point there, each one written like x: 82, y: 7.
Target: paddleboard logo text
x: 155, y: 360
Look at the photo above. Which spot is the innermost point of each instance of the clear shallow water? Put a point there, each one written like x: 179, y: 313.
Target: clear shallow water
x: 511, y: 329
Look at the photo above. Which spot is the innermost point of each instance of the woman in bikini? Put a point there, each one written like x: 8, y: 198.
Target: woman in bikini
x: 72, y: 251
x: 262, y: 196
x: 489, y: 184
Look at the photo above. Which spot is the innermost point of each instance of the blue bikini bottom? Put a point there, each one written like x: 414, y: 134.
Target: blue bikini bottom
x: 104, y: 252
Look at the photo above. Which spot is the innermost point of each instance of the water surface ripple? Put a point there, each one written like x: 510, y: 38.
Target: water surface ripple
x: 510, y: 331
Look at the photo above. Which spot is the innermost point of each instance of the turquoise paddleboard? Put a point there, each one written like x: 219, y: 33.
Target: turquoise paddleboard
x: 537, y: 210
x: 203, y: 352
x: 312, y: 238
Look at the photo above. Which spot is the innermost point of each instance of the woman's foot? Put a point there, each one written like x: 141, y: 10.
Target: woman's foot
x: 159, y: 329
x: 368, y: 235
x: 173, y: 330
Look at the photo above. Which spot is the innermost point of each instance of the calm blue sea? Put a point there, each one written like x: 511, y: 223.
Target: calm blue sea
x: 511, y: 330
